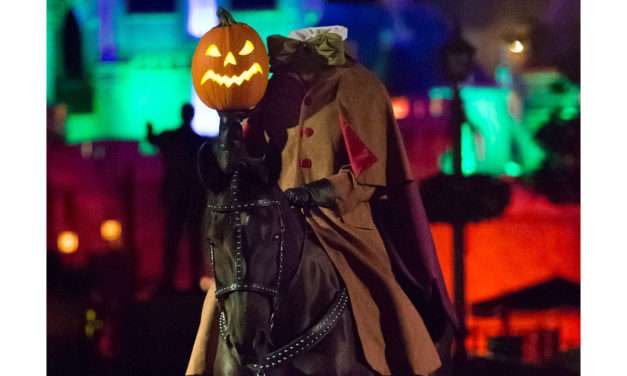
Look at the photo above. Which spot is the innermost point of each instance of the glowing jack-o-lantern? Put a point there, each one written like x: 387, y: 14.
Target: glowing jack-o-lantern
x: 230, y: 66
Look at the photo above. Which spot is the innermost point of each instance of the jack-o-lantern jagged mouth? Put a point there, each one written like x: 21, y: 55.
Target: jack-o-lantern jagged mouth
x: 229, y: 81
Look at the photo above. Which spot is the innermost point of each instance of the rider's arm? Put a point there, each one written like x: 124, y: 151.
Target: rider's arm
x: 348, y: 193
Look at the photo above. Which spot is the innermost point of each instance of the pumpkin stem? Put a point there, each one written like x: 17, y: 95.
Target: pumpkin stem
x: 225, y: 17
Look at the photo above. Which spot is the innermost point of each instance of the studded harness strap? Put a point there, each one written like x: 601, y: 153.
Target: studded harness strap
x: 310, y: 337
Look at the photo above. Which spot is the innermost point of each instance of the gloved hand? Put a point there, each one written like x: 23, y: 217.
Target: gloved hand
x: 317, y: 193
x: 299, y: 197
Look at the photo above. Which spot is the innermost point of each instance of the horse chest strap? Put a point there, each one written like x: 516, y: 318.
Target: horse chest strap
x: 246, y: 287
x: 308, y: 339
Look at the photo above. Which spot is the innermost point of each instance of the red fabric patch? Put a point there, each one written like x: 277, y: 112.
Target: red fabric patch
x: 305, y: 163
x: 360, y: 157
x: 308, y: 132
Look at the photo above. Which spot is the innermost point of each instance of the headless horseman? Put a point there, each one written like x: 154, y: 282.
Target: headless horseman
x: 328, y: 125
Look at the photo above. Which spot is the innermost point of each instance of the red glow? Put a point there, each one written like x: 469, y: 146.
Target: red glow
x: 400, y: 106
x: 420, y: 109
x: 534, y: 241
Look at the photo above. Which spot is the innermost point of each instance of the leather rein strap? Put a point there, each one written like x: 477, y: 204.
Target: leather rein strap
x: 307, y: 340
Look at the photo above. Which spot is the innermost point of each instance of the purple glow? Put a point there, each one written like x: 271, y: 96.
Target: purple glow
x: 106, y: 37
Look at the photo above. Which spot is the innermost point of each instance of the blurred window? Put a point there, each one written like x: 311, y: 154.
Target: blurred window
x: 151, y: 6
x: 252, y: 4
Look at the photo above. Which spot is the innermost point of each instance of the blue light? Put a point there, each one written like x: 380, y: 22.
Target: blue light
x: 206, y: 121
x: 201, y: 16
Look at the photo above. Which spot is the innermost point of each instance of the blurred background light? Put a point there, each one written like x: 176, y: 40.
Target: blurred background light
x: 206, y: 121
x: 517, y: 47
x: 400, y: 106
x: 111, y: 230
x: 67, y: 242
x: 201, y: 17
x: 436, y: 107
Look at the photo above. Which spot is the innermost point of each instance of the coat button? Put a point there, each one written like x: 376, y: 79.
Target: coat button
x: 308, y: 101
x: 307, y: 132
x: 305, y: 163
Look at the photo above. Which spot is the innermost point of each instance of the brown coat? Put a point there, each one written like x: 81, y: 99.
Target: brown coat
x: 393, y: 335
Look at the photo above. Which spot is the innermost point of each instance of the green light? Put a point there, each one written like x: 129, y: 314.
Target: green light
x: 440, y: 92
x: 569, y: 113
x: 152, y: 79
x: 503, y: 75
x: 311, y: 18
x: 266, y: 22
x: 547, y: 93
x: 128, y: 95
x: 513, y: 169
x: 469, y: 157
x: 495, y: 139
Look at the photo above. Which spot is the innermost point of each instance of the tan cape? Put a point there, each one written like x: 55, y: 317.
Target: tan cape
x: 392, y: 333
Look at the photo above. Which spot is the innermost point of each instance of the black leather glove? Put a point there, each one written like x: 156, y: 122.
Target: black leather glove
x: 317, y: 193
x: 298, y: 196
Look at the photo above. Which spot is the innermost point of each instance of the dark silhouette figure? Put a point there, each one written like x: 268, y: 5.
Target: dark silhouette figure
x: 183, y: 196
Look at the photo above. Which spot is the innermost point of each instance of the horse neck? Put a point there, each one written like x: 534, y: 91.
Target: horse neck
x: 312, y: 288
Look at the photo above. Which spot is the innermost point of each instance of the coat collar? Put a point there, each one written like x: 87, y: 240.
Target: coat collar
x: 321, y: 91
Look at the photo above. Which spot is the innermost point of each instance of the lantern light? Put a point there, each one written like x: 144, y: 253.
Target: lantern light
x: 516, y: 47
x: 67, y: 242
x: 230, y: 66
x: 111, y: 230
x: 400, y: 106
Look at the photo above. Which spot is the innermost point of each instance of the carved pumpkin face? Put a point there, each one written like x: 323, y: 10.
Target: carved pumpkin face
x: 230, y: 66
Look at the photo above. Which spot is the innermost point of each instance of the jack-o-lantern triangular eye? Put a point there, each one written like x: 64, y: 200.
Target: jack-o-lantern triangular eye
x: 247, y: 49
x: 213, y: 51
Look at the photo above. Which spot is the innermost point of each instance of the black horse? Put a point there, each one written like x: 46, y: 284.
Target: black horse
x: 282, y: 307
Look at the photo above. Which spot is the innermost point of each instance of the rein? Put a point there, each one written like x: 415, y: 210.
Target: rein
x: 305, y: 341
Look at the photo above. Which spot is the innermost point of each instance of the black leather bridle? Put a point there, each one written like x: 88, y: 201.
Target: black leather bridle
x: 239, y: 285
x: 310, y: 337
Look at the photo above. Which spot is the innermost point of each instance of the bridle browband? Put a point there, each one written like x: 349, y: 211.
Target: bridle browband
x: 310, y: 337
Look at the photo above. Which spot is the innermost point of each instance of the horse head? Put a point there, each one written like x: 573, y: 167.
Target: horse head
x: 255, y: 241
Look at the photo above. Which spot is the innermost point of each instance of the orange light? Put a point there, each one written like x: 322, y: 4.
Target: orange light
x: 400, y: 106
x: 436, y: 107
x: 67, y: 242
x: 229, y: 81
x: 111, y: 230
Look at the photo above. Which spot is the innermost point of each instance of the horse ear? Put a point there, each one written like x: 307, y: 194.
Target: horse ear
x: 211, y: 175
